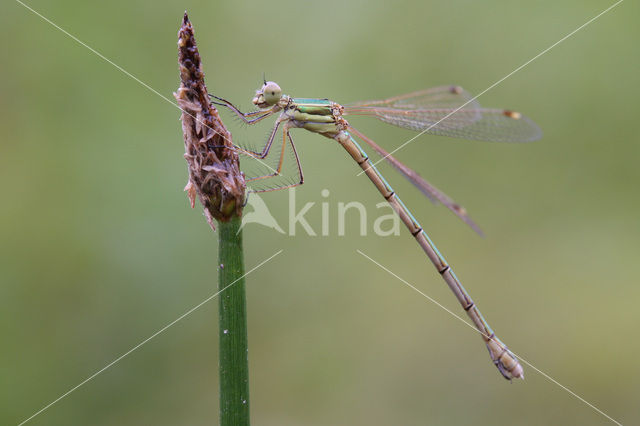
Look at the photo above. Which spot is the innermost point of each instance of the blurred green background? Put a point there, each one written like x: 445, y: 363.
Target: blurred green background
x: 99, y: 248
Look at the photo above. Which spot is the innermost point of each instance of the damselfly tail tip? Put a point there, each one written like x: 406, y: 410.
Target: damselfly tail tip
x: 518, y: 373
x: 514, y: 372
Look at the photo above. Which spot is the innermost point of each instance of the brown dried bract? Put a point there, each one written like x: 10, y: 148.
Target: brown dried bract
x: 214, y: 171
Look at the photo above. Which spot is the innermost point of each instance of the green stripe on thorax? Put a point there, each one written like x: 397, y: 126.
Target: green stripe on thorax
x: 313, y: 106
x: 315, y: 115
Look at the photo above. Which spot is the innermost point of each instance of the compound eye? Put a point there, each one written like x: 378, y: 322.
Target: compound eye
x: 271, y: 92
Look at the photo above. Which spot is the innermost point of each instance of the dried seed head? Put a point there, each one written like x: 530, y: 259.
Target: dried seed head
x: 214, y: 170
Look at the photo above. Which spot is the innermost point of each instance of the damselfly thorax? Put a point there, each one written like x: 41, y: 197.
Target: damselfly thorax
x: 316, y: 115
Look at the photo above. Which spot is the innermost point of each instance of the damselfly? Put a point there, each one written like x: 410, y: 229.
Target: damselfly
x: 447, y: 111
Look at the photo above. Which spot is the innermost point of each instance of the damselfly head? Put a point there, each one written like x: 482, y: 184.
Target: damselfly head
x: 268, y: 95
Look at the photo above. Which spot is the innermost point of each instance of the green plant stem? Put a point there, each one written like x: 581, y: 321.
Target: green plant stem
x: 234, y: 352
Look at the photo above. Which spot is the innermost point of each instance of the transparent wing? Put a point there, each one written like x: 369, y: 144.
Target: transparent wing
x: 435, y: 97
x: 433, y: 193
x: 449, y: 112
